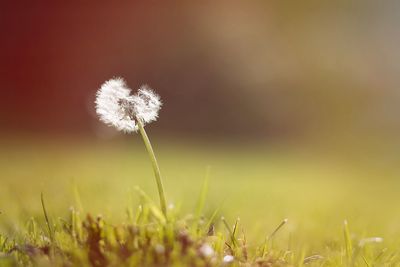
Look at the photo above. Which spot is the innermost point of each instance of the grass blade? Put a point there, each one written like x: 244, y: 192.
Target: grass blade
x: 203, y: 194
x: 271, y: 237
x: 47, y: 218
x: 153, y: 207
x: 77, y: 198
x: 366, y: 262
x: 231, y: 233
x: 347, y: 240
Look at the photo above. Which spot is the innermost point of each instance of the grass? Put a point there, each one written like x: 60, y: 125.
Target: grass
x: 335, y: 206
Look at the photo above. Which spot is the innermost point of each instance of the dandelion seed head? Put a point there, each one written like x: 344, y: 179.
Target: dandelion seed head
x: 113, y: 105
x: 117, y: 107
x: 147, y: 104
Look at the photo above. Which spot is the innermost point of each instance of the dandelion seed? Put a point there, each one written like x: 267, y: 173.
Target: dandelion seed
x: 45, y: 239
x: 117, y: 107
x: 228, y: 259
x: 312, y: 258
x: 368, y: 240
x: 206, y: 251
x: 160, y: 249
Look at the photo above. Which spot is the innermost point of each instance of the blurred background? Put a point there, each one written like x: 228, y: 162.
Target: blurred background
x: 275, y: 69
x: 291, y: 103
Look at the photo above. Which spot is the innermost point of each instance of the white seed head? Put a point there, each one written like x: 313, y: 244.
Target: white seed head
x: 147, y: 104
x: 117, y: 107
x: 206, y: 251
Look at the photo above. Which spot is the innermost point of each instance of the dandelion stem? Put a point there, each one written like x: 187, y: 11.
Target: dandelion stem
x: 154, y: 163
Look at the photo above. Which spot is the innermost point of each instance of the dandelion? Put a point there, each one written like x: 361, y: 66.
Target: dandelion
x: 117, y: 107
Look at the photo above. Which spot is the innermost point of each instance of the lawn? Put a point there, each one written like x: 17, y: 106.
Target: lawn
x: 260, y: 184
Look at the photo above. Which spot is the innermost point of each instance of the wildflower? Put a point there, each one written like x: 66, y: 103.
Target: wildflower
x: 206, y: 251
x: 117, y: 107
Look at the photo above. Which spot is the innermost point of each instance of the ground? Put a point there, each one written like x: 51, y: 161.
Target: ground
x: 315, y: 189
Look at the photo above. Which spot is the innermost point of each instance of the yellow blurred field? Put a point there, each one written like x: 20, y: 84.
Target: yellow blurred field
x: 261, y: 185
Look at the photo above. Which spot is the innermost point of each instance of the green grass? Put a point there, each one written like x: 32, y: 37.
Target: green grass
x: 261, y: 185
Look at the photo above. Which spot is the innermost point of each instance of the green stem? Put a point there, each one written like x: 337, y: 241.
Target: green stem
x: 46, y: 218
x: 154, y: 163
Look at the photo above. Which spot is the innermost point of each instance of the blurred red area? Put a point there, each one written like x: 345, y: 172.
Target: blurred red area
x: 259, y: 68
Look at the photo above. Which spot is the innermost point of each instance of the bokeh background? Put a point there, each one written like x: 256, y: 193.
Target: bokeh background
x: 294, y: 104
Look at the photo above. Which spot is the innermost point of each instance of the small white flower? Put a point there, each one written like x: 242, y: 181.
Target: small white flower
x: 228, y: 259
x: 206, y: 251
x: 117, y: 107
